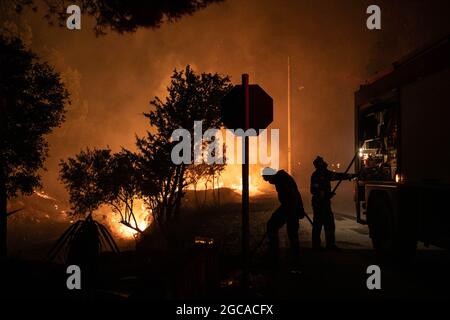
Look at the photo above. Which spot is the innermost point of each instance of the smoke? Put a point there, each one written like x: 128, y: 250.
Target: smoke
x: 113, y: 78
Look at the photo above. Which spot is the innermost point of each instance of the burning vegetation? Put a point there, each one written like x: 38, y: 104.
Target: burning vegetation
x: 143, y: 187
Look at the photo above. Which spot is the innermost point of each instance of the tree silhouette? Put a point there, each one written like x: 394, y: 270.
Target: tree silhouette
x: 206, y: 174
x: 87, y: 178
x: 195, y: 175
x: 191, y: 97
x: 121, y: 16
x: 32, y: 99
x: 124, y: 187
x: 98, y: 177
x: 159, y: 185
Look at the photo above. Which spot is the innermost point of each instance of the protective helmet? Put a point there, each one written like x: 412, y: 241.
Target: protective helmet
x: 268, y: 171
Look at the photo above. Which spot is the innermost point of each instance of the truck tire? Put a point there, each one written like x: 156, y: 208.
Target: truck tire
x: 392, y: 243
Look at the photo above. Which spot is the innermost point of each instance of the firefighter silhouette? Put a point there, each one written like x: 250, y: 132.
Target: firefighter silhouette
x: 321, y: 203
x: 290, y: 211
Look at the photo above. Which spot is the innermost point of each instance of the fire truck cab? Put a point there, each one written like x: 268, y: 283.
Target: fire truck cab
x: 402, y: 137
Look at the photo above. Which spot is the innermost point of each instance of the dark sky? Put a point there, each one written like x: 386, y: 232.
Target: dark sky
x: 112, y: 78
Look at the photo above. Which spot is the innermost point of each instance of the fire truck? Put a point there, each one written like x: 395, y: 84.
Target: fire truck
x: 402, y: 139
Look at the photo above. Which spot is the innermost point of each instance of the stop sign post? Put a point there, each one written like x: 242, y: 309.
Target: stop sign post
x: 244, y: 107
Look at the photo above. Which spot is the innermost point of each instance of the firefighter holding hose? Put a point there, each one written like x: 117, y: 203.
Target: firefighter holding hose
x: 321, y: 203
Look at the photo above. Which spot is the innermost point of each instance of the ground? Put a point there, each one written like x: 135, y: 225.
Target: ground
x: 189, y: 271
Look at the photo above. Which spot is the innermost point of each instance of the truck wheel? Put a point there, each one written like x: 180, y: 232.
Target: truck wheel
x: 391, y: 243
x: 379, y: 216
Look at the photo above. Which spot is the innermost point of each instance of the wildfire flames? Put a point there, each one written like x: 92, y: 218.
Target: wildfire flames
x: 231, y: 178
x: 253, y: 188
x: 143, y: 217
x: 256, y: 185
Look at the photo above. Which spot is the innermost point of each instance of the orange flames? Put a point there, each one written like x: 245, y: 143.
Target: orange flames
x: 143, y: 217
x: 231, y: 178
x: 233, y: 181
x: 253, y: 188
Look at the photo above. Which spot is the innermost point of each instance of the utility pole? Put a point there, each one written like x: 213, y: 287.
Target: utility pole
x: 289, y: 114
x: 3, y: 191
x: 245, y: 185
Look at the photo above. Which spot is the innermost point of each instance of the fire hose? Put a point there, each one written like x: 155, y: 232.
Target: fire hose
x: 346, y: 171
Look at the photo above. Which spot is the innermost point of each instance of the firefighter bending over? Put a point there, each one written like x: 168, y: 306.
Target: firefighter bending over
x: 321, y: 203
x: 289, y: 212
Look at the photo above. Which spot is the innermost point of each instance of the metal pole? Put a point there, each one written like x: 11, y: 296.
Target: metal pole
x: 245, y: 191
x: 3, y: 193
x: 289, y: 115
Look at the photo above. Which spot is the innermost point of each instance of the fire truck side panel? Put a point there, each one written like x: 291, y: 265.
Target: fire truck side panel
x: 425, y: 130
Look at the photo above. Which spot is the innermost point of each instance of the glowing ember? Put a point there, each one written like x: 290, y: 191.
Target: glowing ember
x: 203, y: 241
x: 43, y: 195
